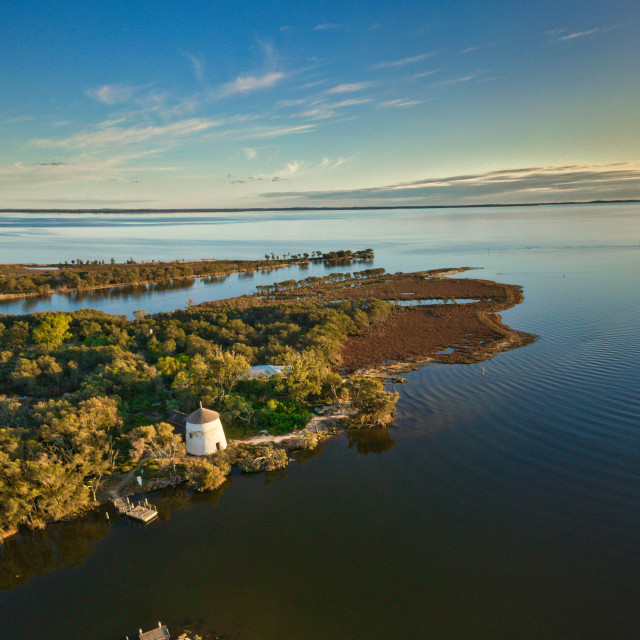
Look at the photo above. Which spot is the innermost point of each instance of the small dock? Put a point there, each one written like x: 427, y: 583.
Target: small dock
x: 161, y: 633
x: 143, y: 512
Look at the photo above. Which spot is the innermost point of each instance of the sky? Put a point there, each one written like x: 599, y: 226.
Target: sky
x: 279, y: 104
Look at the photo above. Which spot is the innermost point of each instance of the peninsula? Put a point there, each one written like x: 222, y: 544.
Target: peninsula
x: 88, y: 395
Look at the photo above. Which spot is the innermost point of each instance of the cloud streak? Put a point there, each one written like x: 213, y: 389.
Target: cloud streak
x: 349, y: 87
x: 112, y: 135
x: 531, y: 184
x: 561, y: 35
x: 274, y: 132
x: 248, y: 84
x: 399, y: 103
x: 198, y: 66
x: 403, y: 61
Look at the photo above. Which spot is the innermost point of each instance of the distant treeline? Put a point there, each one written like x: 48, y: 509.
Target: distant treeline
x: 88, y: 274
x: 315, y: 281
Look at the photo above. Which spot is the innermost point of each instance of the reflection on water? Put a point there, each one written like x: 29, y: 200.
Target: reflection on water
x: 370, y: 440
x: 167, y: 295
x: 122, y: 292
x: 70, y: 544
x: 35, y: 553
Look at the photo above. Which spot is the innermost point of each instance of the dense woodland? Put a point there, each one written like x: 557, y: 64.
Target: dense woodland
x: 86, y: 394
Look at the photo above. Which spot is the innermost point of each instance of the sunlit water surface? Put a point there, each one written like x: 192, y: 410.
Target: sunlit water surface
x: 503, y: 505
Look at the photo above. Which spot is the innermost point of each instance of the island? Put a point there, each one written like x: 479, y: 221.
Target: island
x: 89, y: 399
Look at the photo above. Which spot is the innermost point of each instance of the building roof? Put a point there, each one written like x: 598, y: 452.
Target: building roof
x: 177, y: 419
x: 203, y: 416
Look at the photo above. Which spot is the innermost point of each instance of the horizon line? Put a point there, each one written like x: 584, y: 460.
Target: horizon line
x: 325, y: 208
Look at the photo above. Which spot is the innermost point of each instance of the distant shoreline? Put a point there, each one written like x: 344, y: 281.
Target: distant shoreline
x: 354, y: 208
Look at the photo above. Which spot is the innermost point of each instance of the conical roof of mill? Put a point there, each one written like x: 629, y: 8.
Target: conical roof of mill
x: 203, y: 416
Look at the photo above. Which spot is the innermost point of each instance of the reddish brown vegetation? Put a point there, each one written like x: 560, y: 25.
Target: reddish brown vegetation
x: 473, y: 331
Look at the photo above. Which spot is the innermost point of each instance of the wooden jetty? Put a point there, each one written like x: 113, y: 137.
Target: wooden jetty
x: 161, y: 633
x: 143, y: 511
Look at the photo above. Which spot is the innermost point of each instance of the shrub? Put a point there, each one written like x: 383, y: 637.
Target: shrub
x: 267, y: 459
x: 374, y: 406
x: 202, y: 475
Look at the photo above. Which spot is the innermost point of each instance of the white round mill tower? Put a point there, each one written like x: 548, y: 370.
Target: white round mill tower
x: 204, y: 433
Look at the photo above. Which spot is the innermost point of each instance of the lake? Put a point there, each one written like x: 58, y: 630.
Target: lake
x: 503, y: 505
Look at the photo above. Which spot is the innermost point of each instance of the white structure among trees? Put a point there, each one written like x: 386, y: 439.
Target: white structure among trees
x: 204, y: 433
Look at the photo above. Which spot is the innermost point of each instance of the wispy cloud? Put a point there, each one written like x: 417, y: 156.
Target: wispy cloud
x: 128, y: 135
x: 423, y: 74
x: 327, y: 164
x: 291, y: 103
x: 311, y: 85
x: 274, y: 132
x: 250, y: 153
x: 198, y: 65
x: 562, y: 35
x: 328, y: 26
x: 458, y: 80
x: 351, y: 102
x: 400, y: 103
x: 349, y: 87
x: 247, y: 84
x: 295, y: 168
x: 111, y: 94
x: 317, y: 113
x: 289, y: 169
x: 403, y: 61
x: 320, y: 110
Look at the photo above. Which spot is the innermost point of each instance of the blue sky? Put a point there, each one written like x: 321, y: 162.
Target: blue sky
x: 243, y: 104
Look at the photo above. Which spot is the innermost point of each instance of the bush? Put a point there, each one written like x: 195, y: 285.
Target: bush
x: 202, y: 475
x: 305, y: 441
x: 374, y: 406
x: 267, y: 459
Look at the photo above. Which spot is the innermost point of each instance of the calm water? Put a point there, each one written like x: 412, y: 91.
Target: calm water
x: 499, y: 507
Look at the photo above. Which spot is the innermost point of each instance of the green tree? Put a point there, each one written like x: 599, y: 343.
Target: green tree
x: 303, y: 376
x: 160, y: 440
x: 52, y: 331
x: 236, y: 407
